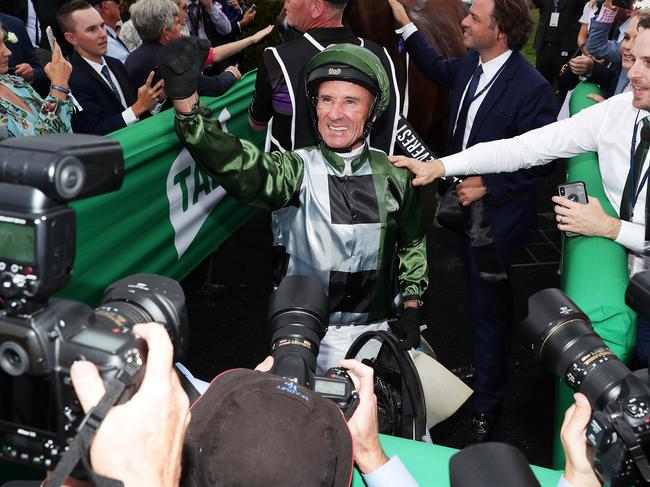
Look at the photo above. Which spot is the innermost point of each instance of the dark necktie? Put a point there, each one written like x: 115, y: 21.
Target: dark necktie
x: 456, y: 144
x: 109, y: 80
x: 633, y: 180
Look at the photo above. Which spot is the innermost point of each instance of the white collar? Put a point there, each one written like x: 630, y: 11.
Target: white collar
x: 96, y: 66
x: 493, y: 65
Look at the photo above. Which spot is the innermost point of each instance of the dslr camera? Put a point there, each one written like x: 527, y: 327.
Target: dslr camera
x: 299, y: 315
x: 41, y: 337
x: 560, y: 335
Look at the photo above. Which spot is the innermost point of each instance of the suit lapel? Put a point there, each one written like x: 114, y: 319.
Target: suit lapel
x: 79, y: 62
x: 493, y: 95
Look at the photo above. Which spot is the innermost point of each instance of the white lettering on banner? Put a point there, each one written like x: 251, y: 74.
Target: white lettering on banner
x: 192, y: 196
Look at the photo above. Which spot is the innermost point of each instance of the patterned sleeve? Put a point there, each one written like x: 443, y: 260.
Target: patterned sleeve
x: 55, y: 116
x: 264, y: 180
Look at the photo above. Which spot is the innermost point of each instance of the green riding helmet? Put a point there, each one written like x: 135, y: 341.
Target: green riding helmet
x: 354, y: 64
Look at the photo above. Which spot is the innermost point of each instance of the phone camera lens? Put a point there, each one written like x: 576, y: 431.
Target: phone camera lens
x: 562, y: 191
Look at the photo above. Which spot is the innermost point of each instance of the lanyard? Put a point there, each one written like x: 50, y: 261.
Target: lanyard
x: 634, y: 194
x: 555, y: 5
x: 487, y: 86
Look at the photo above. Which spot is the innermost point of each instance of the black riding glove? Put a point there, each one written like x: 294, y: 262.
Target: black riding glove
x: 407, y: 327
x: 180, y: 63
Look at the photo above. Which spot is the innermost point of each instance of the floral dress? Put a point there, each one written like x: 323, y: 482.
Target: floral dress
x: 48, y: 116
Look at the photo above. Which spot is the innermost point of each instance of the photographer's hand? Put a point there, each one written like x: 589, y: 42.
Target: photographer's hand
x: 368, y: 453
x: 578, y: 469
x: 589, y: 219
x: 139, y: 442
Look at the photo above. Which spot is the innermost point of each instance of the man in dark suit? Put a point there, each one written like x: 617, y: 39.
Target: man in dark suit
x: 100, y: 83
x: 157, y: 23
x: 23, y: 58
x: 556, y: 39
x: 495, y: 93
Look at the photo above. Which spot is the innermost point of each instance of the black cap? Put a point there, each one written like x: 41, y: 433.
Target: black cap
x: 257, y: 429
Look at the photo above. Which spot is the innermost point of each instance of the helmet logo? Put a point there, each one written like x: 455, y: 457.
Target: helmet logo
x: 334, y: 71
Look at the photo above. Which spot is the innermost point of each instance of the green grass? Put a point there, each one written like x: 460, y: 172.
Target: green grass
x: 529, y: 51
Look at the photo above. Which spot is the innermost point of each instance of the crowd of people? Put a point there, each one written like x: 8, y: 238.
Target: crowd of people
x: 344, y: 207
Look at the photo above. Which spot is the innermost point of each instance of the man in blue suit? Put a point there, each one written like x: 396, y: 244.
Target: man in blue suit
x: 23, y: 57
x: 495, y: 93
x: 98, y: 82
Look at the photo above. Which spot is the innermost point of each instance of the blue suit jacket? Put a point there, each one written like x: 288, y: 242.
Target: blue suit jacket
x: 519, y: 100
x: 22, y: 51
x: 102, y: 110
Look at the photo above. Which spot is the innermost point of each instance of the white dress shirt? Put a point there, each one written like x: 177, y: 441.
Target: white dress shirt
x: 490, y: 70
x: 115, y: 48
x: 605, y: 128
x: 33, y: 25
x: 127, y: 115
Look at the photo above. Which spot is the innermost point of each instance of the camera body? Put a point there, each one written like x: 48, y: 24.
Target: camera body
x: 298, y: 316
x: 41, y: 411
x: 40, y: 337
x: 560, y: 335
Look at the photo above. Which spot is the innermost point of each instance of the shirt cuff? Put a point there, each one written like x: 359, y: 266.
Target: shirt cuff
x: 391, y: 473
x: 129, y: 117
x: 606, y: 15
x: 631, y: 235
x: 563, y: 482
x: 407, y: 30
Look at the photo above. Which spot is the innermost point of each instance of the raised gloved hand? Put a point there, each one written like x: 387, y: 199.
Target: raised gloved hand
x: 180, y: 63
x: 407, y: 327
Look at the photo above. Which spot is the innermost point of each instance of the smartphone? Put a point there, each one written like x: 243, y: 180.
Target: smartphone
x: 156, y: 76
x: 253, y: 7
x: 11, y: 70
x: 50, y: 36
x: 575, y: 192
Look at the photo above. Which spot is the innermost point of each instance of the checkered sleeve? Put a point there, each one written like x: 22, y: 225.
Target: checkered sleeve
x: 411, y: 246
x: 249, y: 175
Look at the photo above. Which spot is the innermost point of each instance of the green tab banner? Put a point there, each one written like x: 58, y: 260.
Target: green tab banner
x: 169, y: 215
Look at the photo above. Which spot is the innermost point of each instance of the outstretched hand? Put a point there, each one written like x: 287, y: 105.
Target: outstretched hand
x: 180, y: 64
x: 399, y: 13
x: 425, y: 172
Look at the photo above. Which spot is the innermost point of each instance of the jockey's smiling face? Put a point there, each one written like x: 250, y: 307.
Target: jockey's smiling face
x: 342, y: 110
x: 639, y: 74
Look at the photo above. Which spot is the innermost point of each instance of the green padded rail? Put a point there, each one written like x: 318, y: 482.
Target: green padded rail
x: 594, y: 273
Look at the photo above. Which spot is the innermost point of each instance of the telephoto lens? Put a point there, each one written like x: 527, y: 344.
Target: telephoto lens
x: 298, y: 316
x: 143, y: 298
x: 560, y: 335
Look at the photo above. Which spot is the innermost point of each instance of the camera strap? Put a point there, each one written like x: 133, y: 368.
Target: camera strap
x: 79, y: 448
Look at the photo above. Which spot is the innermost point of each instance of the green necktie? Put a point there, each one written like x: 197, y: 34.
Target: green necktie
x: 632, y: 183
